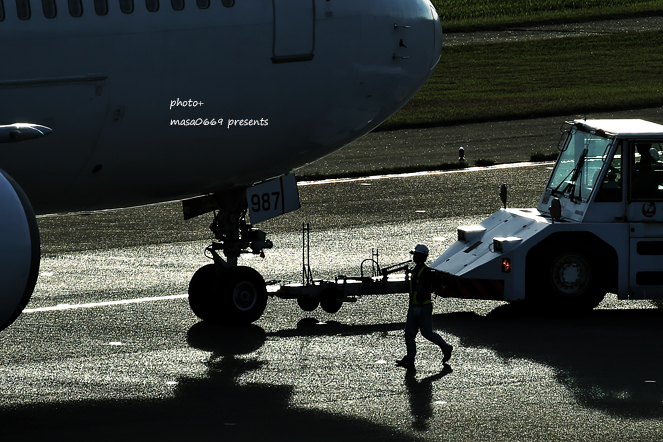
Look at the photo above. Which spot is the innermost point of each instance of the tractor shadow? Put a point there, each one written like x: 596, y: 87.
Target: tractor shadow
x: 608, y: 359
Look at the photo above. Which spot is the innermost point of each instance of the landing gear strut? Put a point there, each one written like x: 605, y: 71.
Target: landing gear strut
x: 225, y: 292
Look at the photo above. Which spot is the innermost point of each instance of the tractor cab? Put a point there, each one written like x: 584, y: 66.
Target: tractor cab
x: 598, y: 226
x: 607, y: 171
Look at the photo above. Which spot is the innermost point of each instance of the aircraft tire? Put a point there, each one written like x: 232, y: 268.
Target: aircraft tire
x: 244, y: 295
x: 239, y: 296
x: 202, y: 288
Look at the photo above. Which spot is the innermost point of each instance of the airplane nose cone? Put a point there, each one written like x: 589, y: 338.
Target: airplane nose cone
x: 437, y: 36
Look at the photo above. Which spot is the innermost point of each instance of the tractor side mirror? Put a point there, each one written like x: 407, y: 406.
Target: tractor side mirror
x: 555, y: 209
x: 503, y: 194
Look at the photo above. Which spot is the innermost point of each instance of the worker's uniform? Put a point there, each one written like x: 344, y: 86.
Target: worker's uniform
x: 420, y: 312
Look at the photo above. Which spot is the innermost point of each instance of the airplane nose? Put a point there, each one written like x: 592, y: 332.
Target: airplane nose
x: 437, y: 38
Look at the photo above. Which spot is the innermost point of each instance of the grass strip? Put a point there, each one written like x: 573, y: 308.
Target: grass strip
x: 469, y: 15
x: 566, y: 76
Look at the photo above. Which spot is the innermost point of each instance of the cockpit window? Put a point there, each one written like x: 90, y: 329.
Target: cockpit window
x: 101, y: 7
x: 75, y: 8
x: 49, y: 8
x: 579, y: 164
x: 23, y: 9
x: 152, y: 5
x: 127, y: 6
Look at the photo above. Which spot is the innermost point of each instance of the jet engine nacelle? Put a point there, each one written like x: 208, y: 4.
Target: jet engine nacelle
x: 19, y: 250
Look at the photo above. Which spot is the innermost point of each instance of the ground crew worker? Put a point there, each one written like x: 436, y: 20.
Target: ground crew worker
x: 420, y: 311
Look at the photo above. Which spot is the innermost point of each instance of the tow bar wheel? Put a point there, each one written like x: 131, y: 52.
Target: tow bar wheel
x: 328, y: 300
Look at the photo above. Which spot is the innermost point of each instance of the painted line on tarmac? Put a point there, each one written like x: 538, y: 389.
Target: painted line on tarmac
x: 427, y: 173
x: 60, y: 307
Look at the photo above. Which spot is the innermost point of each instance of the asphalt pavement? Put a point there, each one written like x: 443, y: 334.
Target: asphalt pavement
x: 108, y: 348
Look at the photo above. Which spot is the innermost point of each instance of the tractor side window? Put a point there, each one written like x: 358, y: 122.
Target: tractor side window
x: 646, y: 171
x: 611, y: 187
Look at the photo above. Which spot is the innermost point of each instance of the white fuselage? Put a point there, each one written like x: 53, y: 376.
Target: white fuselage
x: 308, y: 77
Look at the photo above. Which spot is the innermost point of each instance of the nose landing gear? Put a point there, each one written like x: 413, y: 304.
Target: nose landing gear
x: 224, y: 292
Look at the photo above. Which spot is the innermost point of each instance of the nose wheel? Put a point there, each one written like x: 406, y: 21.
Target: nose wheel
x: 224, y: 292
x: 235, y: 295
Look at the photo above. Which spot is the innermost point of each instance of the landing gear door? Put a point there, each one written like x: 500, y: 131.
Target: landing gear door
x: 294, y: 30
x: 272, y: 198
x: 645, y: 213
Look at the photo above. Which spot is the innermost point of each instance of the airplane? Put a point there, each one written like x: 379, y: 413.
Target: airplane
x: 121, y: 103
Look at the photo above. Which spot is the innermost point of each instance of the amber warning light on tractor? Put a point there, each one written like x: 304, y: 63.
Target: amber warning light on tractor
x: 506, y: 265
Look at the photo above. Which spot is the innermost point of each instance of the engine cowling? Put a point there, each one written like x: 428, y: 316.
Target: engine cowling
x: 19, y: 250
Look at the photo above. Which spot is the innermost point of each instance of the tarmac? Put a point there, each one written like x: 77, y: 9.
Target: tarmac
x: 109, y: 349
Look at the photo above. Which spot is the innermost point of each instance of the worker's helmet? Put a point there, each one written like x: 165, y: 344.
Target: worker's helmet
x: 420, y: 248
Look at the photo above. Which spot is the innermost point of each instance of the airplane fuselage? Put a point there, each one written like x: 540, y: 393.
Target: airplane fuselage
x: 157, y: 106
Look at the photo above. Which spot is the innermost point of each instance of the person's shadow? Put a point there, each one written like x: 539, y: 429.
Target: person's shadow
x: 420, y: 396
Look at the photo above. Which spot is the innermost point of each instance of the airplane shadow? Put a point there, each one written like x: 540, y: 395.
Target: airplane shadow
x: 211, y: 407
x: 609, y: 360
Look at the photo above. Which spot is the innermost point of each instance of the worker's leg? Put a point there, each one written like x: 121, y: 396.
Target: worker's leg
x: 411, y: 328
x: 426, y: 327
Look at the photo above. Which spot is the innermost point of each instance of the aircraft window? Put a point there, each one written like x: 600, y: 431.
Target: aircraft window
x: 50, y: 11
x: 228, y: 3
x: 101, y: 7
x: 75, y: 8
x: 2, y: 11
x: 127, y: 6
x: 152, y: 5
x: 177, y: 5
x: 23, y: 9
x: 202, y: 4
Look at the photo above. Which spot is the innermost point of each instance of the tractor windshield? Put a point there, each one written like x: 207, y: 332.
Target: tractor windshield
x: 581, y: 158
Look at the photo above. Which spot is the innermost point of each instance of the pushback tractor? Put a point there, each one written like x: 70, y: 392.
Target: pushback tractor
x: 598, y: 227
